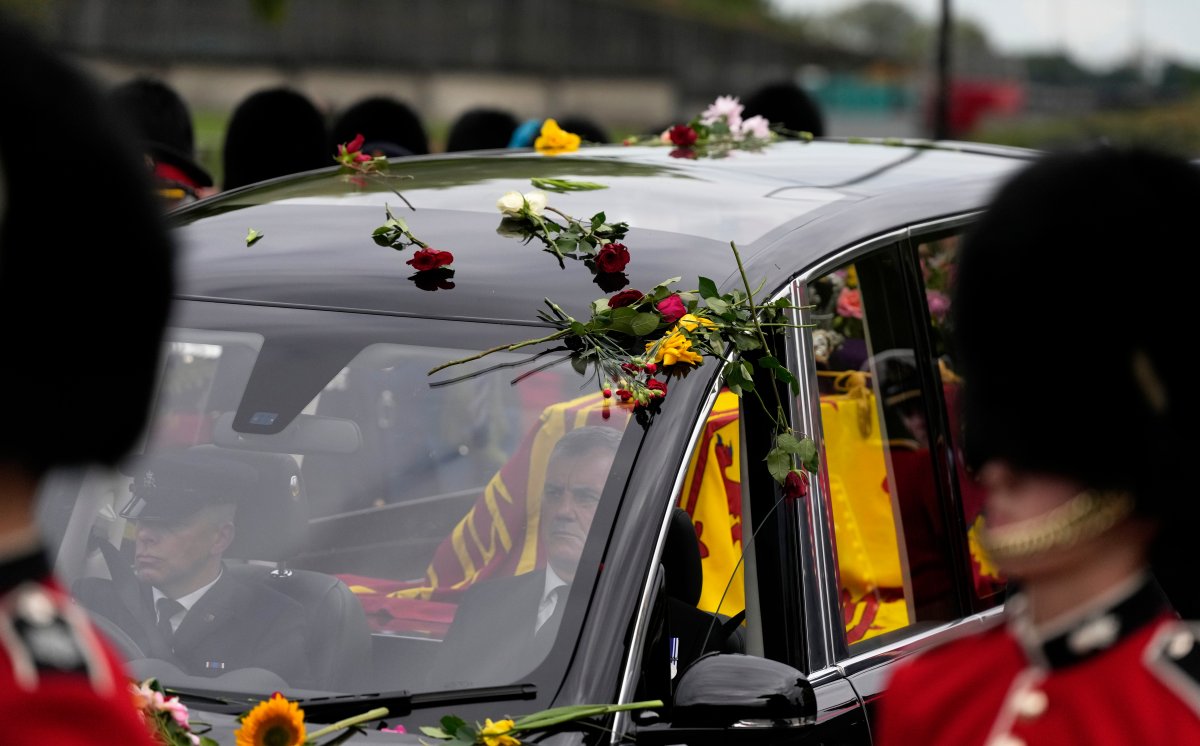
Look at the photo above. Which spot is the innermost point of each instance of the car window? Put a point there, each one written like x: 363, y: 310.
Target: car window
x: 400, y: 529
x: 893, y: 550
x: 937, y: 256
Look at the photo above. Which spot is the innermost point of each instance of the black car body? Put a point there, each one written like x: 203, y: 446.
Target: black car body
x: 315, y: 343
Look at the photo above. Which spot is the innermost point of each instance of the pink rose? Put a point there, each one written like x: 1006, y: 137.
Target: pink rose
x: 939, y: 304
x: 612, y: 257
x: 671, y: 308
x: 849, y: 303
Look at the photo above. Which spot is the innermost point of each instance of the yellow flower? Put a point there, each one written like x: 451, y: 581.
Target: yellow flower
x: 555, y: 139
x: 674, y: 348
x: 274, y: 722
x: 690, y: 322
x: 496, y: 734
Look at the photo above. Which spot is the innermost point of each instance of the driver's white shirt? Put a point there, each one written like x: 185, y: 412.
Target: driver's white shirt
x: 187, y: 602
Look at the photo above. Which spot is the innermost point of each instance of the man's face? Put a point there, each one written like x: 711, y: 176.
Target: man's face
x: 569, y: 500
x: 173, y: 555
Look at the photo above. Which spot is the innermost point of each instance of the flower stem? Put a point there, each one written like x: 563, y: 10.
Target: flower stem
x: 376, y: 714
x: 500, y: 348
x: 762, y: 338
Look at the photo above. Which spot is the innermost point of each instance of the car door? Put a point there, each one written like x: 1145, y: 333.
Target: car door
x: 892, y: 514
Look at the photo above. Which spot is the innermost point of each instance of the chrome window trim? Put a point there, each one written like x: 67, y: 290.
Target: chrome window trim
x: 633, y: 660
x: 919, y: 641
x: 826, y: 645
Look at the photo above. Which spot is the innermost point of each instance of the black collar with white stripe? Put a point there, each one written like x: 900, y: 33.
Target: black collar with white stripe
x: 1089, y: 631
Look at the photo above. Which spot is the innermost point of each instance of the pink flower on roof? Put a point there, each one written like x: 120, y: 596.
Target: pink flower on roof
x: 728, y: 108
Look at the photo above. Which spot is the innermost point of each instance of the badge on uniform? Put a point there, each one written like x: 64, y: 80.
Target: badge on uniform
x: 40, y: 636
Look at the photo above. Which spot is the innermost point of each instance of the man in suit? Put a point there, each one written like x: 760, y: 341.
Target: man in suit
x: 179, y: 603
x: 504, y: 628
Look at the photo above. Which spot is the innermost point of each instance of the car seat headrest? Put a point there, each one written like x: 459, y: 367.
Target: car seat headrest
x: 681, y: 559
x: 271, y: 522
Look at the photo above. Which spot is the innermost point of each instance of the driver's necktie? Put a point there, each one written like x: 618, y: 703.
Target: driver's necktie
x: 167, y: 608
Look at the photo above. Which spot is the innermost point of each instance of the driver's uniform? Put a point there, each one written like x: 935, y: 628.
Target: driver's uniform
x: 60, y: 683
x: 1124, y: 670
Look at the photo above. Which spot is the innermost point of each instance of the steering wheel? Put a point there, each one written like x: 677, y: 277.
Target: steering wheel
x: 125, y: 645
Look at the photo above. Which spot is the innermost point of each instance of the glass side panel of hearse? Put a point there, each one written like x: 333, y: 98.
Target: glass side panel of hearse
x: 329, y: 517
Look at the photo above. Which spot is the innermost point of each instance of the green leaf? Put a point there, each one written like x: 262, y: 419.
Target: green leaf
x: 597, y: 220
x: 452, y: 724
x: 788, y: 442
x: 577, y: 328
x: 770, y: 363
x: 599, y: 306
x: 580, y: 364
x: 622, y: 320
x: 565, y: 185
x: 433, y: 732
x: 779, y: 463
x: 808, y: 454
x: 567, y: 244
x: 206, y: 741
x: 708, y: 288
x: 644, y: 323
x: 717, y: 305
x: 745, y: 342
x: 747, y: 371
x: 252, y: 237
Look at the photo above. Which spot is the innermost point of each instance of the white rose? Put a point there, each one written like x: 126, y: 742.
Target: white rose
x: 536, y: 202
x: 511, y: 204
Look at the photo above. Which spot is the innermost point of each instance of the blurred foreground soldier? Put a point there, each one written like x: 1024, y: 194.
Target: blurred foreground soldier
x: 64, y: 405
x: 1089, y: 472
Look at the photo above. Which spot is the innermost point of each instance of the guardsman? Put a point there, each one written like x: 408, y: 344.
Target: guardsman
x: 1072, y: 326
x: 85, y: 286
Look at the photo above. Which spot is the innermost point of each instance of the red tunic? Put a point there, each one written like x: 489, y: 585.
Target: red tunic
x: 1125, y: 673
x: 59, y: 682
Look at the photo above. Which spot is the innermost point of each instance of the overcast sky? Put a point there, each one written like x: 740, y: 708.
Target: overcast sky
x: 1097, y: 33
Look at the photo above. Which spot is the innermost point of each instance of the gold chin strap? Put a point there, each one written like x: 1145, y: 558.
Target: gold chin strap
x: 1084, y: 516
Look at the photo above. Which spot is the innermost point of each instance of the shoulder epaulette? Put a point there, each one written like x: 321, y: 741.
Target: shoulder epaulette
x: 42, y: 632
x: 1174, y: 656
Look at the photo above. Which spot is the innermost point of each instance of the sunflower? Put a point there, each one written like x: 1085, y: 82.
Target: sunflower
x: 273, y: 722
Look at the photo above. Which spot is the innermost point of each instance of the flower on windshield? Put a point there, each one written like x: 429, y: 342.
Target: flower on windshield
x: 273, y: 722
x: 555, y: 140
x: 496, y: 734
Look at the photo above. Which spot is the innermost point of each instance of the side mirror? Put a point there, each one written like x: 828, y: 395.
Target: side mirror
x: 727, y: 697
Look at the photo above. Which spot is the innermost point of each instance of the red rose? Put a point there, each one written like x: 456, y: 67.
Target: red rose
x: 671, y: 308
x: 657, y: 387
x: 612, y: 257
x: 795, y: 485
x: 682, y: 135
x: 427, y: 259
x: 356, y: 143
x: 624, y: 298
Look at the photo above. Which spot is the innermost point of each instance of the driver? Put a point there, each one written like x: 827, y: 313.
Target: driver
x: 179, y: 603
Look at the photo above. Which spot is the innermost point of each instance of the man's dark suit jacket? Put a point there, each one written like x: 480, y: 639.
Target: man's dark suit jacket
x: 491, y: 640
x: 237, y: 624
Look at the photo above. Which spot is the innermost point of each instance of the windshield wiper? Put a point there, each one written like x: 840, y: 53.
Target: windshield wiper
x: 339, y: 706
